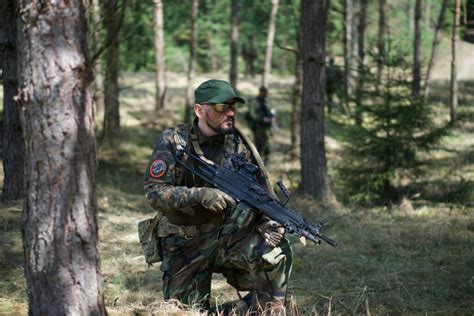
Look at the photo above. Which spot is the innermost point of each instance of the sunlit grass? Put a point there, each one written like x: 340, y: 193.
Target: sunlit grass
x: 412, y: 258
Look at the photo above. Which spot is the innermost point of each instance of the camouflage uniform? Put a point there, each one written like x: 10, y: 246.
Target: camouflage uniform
x: 197, y: 242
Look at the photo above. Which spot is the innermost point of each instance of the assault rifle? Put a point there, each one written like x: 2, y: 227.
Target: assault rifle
x: 239, y: 182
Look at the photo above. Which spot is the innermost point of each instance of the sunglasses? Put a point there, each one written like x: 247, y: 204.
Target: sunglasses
x: 223, y: 107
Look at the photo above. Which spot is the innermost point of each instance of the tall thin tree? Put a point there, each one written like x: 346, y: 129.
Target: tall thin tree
x: 160, y: 82
x: 60, y: 212
x: 112, y: 106
x: 416, y: 80
x: 96, y: 18
x: 267, y: 65
x: 381, y: 39
x: 453, y: 100
x: 434, y: 47
x: 361, y: 56
x: 192, y: 61
x: 314, y: 173
x: 348, y: 48
x: 13, y: 143
x: 469, y: 20
x: 296, y: 98
x: 234, y: 43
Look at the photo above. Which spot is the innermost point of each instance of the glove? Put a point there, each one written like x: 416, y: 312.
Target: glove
x: 214, y: 199
x: 272, y: 232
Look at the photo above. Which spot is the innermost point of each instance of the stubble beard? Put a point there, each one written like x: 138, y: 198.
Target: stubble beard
x: 220, y: 129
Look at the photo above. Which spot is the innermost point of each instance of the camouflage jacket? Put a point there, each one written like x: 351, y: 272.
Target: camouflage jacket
x: 171, y: 189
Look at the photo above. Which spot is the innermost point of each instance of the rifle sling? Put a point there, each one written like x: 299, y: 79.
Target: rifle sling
x: 259, y: 161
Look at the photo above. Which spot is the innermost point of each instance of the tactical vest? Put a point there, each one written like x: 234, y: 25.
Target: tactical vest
x: 185, y: 137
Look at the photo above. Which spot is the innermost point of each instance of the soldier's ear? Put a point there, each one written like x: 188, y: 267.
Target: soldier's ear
x: 199, y: 110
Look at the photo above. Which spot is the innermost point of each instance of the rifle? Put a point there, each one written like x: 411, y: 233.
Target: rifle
x: 239, y: 182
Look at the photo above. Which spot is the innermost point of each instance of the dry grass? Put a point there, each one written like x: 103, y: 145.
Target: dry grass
x: 414, y: 258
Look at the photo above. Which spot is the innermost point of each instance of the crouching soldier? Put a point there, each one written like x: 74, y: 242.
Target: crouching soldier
x: 201, y: 229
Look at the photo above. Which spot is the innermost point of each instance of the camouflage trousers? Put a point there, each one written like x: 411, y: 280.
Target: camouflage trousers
x: 261, y: 141
x: 240, y: 254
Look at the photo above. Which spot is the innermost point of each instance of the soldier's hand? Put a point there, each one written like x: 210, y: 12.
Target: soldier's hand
x: 215, y: 200
x: 272, y: 232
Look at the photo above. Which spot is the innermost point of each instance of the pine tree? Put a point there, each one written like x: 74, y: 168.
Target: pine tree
x: 395, y: 128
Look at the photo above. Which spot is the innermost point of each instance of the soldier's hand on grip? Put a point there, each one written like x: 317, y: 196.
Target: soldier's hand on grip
x: 272, y: 232
x: 215, y: 200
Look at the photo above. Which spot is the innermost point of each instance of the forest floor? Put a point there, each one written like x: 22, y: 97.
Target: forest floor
x: 416, y: 257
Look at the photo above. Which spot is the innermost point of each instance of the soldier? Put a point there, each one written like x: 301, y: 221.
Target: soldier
x: 260, y: 120
x: 198, y: 232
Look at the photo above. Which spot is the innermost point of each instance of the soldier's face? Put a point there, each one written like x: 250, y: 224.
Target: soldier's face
x: 220, y: 122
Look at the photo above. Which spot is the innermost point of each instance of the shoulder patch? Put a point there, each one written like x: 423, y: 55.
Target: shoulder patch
x: 158, y: 168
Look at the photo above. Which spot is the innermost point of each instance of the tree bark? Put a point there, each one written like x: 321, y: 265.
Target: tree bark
x: 453, y: 100
x: 212, y: 49
x: 192, y: 61
x: 234, y: 44
x: 434, y: 47
x: 381, y: 39
x: 13, y: 144
x: 360, y: 61
x: 60, y: 213
x: 348, y: 48
x: 296, y: 99
x: 314, y: 174
x: 159, y: 56
x: 428, y: 11
x: 270, y: 39
x: 98, y: 75
x: 112, y: 106
x: 469, y: 31
x: 416, y: 80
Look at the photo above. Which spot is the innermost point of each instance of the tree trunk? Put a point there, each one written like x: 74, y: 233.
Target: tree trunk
x: 469, y: 31
x: 270, y: 39
x: 13, y: 143
x: 112, y: 106
x: 453, y: 101
x: 296, y: 99
x: 159, y: 56
x: 212, y: 49
x: 60, y: 212
x: 360, y: 62
x: 434, y: 47
x: 192, y: 61
x: 428, y: 10
x: 381, y: 39
x: 416, y: 83
x: 314, y: 174
x: 348, y: 48
x: 234, y: 44
x: 98, y: 76
x: 411, y: 12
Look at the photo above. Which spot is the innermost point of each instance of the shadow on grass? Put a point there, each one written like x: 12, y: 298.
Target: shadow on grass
x: 122, y: 166
x: 396, y: 263
x: 11, y: 254
x: 439, y: 92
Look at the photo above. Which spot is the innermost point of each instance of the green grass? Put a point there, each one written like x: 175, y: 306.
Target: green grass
x: 412, y: 258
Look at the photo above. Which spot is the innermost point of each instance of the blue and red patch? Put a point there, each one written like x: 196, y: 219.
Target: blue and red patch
x: 158, y: 169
